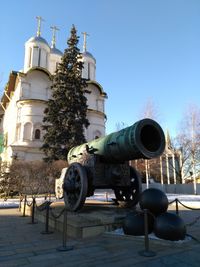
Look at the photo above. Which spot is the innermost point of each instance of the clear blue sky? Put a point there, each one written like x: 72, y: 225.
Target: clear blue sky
x: 145, y: 49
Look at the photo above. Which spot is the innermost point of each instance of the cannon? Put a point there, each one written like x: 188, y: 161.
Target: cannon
x: 104, y: 163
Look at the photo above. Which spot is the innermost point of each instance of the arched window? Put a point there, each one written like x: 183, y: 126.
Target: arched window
x: 27, y: 131
x: 37, y: 134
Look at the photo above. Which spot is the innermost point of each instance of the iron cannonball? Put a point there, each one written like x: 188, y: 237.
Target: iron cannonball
x: 134, y: 223
x: 169, y: 226
x: 154, y: 200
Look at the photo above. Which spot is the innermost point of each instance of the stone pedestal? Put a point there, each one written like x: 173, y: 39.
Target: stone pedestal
x: 93, y: 220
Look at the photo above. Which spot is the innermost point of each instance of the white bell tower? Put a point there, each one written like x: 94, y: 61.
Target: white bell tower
x: 36, y: 50
x: 89, y: 62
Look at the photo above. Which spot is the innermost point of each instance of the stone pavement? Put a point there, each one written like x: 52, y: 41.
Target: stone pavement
x: 22, y: 244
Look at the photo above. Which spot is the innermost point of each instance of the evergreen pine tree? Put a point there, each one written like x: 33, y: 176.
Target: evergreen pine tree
x: 65, y: 115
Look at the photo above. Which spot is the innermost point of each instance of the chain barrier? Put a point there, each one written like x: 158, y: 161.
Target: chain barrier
x: 49, y: 211
x: 29, y: 204
x: 146, y: 252
x: 64, y: 246
x: 190, y: 208
x: 54, y: 215
x: 47, y: 207
x: 176, y: 201
x: 187, y: 207
x: 42, y: 206
x: 192, y: 223
x: 171, y: 202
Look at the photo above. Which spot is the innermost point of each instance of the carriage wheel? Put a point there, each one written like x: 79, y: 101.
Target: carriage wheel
x: 75, y: 187
x: 131, y: 194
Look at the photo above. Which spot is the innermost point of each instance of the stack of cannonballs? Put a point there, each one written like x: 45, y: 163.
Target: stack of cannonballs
x: 165, y: 225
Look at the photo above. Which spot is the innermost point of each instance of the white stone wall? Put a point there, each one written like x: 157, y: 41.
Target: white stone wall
x: 54, y: 59
x: 36, y: 85
x: 95, y: 99
x: 30, y: 118
x: 8, y: 124
x: 89, y: 70
x: 95, y: 113
x: 10, y: 118
x: 97, y: 125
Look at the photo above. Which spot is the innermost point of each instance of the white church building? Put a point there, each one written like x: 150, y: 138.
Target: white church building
x: 27, y: 91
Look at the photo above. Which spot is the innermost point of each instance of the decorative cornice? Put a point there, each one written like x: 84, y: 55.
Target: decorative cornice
x: 21, y: 101
x: 103, y: 94
x: 26, y: 148
x: 96, y: 112
x: 39, y: 69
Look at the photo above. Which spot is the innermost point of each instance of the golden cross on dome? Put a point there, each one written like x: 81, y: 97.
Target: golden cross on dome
x: 39, y: 19
x: 53, y: 42
x: 85, y: 34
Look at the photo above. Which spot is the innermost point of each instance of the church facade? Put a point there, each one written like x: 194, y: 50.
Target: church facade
x: 26, y: 94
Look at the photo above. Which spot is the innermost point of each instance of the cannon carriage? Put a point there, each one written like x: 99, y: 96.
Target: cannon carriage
x: 104, y: 163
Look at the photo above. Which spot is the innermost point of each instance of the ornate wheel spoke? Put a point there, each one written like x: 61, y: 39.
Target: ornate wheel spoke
x: 75, y: 187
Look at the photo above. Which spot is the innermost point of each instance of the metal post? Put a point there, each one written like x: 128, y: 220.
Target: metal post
x: 161, y: 170
x: 64, y: 245
x: 167, y: 169
x: 174, y: 167
x: 181, y: 166
x: 24, y: 210
x: 147, y: 174
x: 194, y: 178
x: 46, y: 231
x: 193, y: 153
x: 20, y: 202
x: 33, y: 212
x: 177, y: 211
x: 146, y: 252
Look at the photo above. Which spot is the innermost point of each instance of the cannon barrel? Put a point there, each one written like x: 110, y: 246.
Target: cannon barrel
x: 144, y: 139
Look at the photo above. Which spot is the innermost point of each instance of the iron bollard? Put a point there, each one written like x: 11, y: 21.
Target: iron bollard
x: 146, y: 252
x: 64, y: 245
x: 177, y: 211
x: 46, y: 231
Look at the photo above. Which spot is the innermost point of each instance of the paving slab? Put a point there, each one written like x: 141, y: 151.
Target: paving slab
x: 22, y: 244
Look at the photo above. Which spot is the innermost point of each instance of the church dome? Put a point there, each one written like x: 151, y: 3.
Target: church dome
x: 56, y: 51
x: 36, y: 53
x: 88, y: 54
x: 37, y: 39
